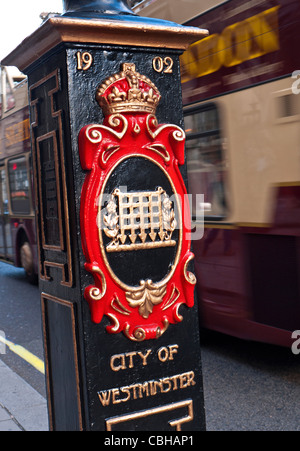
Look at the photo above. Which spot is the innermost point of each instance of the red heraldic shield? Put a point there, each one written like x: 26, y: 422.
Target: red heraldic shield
x: 135, y: 216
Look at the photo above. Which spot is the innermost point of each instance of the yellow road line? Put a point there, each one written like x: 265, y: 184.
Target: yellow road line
x: 24, y: 354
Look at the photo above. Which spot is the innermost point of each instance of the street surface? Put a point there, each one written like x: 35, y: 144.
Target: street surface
x: 248, y: 386
x: 20, y: 321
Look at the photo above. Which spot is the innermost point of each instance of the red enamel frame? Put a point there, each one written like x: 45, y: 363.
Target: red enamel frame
x: 102, y: 148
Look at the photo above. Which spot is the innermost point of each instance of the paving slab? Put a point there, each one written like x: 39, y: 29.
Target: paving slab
x: 21, y: 407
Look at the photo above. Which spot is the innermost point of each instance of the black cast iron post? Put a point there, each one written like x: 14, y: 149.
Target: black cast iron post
x: 121, y: 331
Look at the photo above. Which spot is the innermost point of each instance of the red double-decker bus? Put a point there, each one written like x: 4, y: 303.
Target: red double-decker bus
x: 242, y: 117
x: 17, y: 217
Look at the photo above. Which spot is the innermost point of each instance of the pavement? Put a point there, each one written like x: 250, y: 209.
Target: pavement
x: 248, y: 387
x: 22, y: 408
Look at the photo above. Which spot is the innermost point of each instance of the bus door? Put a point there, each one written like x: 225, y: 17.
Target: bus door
x: 6, y: 248
x: 2, y: 228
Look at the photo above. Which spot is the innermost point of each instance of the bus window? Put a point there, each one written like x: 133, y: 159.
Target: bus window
x: 2, y: 97
x: 2, y: 238
x: 6, y: 246
x: 205, y: 162
x: 10, y: 100
x: 7, y: 99
x: 3, y: 191
x: 19, y: 186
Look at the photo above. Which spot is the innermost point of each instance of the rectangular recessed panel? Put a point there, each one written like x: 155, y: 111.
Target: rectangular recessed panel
x: 61, y: 364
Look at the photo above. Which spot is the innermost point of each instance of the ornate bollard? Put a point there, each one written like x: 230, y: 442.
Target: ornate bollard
x: 120, y: 321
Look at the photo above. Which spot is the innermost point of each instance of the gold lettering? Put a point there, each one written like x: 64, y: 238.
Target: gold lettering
x: 149, y: 388
x: 188, y: 62
x: 166, y: 353
x: 236, y: 44
x: 26, y: 129
x: 152, y: 388
x: 104, y: 397
x: 183, y: 381
x: 143, y: 388
x: 173, y: 350
x: 84, y: 60
x: 270, y: 30
x: 158, y: 384
x: 115, y: 393
x: 242, y: 41
x: 9, y: 137
x: 163, y: 354
x: 130, y: 355
x: 134, y: 387
x: 174, y: 380
x: 158, y: 64
x: 145, y: 356
x: 166, y: 381
x: 17, y: 133
x: 163, y: 65
x: 123, y: 361
x: 191, y: 376
x: 125, y: 390
x: 119, y: 367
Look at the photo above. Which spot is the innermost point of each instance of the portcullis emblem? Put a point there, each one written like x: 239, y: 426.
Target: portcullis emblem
x: 134, y: 211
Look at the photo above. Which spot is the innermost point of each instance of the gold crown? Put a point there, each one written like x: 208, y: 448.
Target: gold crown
x: 128, y: 91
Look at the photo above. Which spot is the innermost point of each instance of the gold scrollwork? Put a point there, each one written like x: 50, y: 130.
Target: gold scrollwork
x: 160, y: 150
x: 109, y: 151
x: 151, y: 120
x: 93, y: 132
x: 178, y: 317
x: 160, y: 331
x: 146, y: 298
x: 172, y: 299
x: 179, y: 134
x: 115, y: 320
x: 189, y: 276
x: 119, y: 307
x: 95, y: 293
x: 139, y: 334
x: 115, y: 120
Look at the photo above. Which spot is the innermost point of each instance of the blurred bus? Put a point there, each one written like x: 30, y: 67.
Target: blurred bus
x: 17, y: 218
x: 242, y: 118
